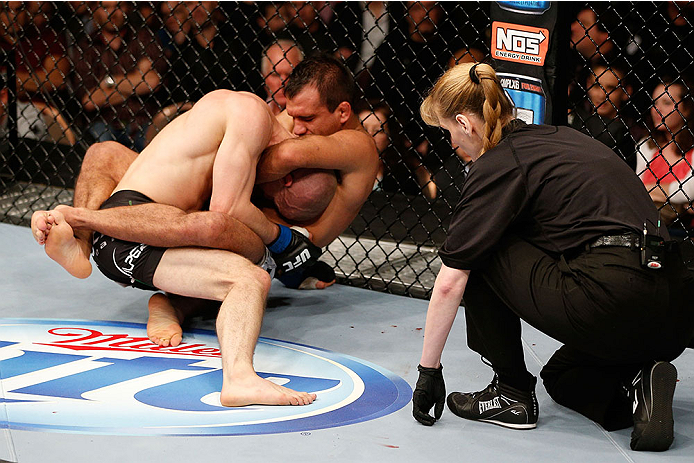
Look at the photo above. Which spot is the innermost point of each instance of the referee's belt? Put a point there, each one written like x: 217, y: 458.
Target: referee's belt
x: 627, y: 240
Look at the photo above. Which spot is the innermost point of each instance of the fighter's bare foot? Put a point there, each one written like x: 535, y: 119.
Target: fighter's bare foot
x: 62, y: 247
x: 164, y: 323
x: 40, y: 226
x: 258, y: 391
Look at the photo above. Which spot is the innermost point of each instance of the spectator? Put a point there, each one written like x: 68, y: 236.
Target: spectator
x: 201, y: 60
x: 298, y: 21
x: 40, y: 68
x: 83, y: 20
x: 374, y: 118
x: 117, y: 68
x: 277, y: 62
x: 307, y: 28
x: 591, y: 44
x: 664, y: 161
x: 37, y: 121
x: 407, y: 63
x: 359, y: 29
x: 600, y: 114
x: 666, y: 38
x: 589, y: 37
x: 274, y: 19
x: 212, y: 66
x: 40, y: 62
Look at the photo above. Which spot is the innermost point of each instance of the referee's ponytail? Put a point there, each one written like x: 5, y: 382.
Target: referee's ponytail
x: 472, y: 88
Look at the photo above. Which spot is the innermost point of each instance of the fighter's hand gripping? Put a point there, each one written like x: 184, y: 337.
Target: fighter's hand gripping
x: 293, y: 250
x: 430, y: 391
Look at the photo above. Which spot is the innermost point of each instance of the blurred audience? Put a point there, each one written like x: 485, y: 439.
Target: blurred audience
x: 277, y: 62
x: 116, y: 68
x: 359, y: 28
x: 591, y: 44
x: 299, y: 21
x: 374, y: 117
x: 200, y: 59
x: 307, y: 28
x: 36, y: 120
x: 131, y: 82
x: 41, y: 66
x: 665, y: 35
x: 406, y: 65
x: 600, y: 114
x: 590, y: 39
x: 40, y: 71
x: 664, y: 161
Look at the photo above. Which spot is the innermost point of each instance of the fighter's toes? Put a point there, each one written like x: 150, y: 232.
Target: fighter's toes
x: 302, y: 398
x: 40, y: 226
x: 40, y: 237
x: 175, y: 340
x: 163, y: 325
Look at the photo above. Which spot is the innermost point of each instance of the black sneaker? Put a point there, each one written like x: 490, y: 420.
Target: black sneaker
x: 498, y: 404
x: 651, y: 395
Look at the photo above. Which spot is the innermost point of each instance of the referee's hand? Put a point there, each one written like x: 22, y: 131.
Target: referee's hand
x: 430, y: 391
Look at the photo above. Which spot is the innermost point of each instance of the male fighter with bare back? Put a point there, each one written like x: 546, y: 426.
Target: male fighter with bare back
x: 221, y: 150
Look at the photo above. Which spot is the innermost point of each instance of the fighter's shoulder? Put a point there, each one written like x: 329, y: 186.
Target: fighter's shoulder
x: 229, y: 99
x: 359, y: 139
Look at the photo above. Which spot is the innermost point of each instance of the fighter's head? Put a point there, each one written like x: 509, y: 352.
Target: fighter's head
x: 320, y: 95
x: 303, y: 195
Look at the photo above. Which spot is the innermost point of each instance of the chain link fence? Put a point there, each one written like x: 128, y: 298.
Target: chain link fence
x: 631, y: 63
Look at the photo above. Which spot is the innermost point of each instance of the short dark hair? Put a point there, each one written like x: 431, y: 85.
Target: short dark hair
x: 330, y: 76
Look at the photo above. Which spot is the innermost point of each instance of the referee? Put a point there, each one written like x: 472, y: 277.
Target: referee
x: 553, y: 228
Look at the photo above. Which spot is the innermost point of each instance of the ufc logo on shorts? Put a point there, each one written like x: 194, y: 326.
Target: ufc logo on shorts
x: 301, y: 259
x: 134, y: 254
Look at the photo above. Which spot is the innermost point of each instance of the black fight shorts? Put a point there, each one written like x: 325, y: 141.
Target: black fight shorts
x: 130, y: 264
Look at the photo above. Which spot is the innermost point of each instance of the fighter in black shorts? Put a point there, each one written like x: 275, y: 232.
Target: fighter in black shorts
x: 127, y: 263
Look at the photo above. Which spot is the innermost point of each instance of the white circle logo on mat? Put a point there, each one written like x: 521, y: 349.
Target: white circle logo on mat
x: 108, y: 378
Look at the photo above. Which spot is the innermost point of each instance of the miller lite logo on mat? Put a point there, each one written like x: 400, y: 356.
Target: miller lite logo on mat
x: 107, y: 378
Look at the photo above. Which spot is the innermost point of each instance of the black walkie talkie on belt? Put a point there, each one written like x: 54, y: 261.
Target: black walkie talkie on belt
x: 652, y: 249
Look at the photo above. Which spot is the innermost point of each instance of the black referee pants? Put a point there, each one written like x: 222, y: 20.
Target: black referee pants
x: 611, y: 315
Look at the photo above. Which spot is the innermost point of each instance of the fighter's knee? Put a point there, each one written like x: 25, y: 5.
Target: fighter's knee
x: 209, y: 227
x: 246, y: 277
x: 258, y: 278
x: 109, y: 156
x: 264, y: 279
x: 99, y: 150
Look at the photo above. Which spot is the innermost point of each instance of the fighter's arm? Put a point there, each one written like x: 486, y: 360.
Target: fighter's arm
x: 351, y: 152
x: 246, y: 132
x: 345, y: 151
x: 348, y: 200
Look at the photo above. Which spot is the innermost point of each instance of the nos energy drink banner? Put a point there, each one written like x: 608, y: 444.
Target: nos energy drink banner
x: 524, y: 48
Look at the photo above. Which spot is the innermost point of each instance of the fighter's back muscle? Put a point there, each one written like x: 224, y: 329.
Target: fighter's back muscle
x: 176, y: 167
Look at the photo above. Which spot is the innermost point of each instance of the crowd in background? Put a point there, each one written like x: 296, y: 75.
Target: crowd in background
x: 91, y: 71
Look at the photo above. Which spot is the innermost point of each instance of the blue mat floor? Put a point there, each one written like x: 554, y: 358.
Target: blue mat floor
x: 380, y: 329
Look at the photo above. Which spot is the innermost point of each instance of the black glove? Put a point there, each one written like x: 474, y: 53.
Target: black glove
x: 429, y: 392
x: 308, y: 277
x: 292, y: 250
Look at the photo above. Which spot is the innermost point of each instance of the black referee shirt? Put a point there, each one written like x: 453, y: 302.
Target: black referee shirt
x: 552, y: 186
